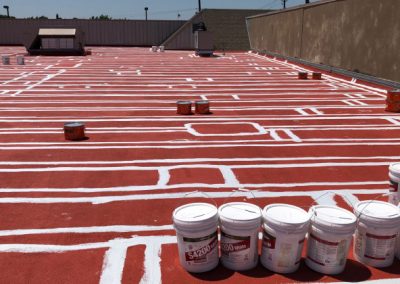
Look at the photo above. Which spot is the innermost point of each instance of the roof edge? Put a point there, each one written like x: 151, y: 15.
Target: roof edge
x: 294, y: 8
x: 332, y: 69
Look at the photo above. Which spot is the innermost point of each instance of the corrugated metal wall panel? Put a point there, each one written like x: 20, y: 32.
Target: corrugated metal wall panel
x: 97, y: 32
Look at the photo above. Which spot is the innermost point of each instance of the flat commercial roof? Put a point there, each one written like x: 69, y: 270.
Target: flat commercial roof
x: 57, y: 32
x: 107, y: 201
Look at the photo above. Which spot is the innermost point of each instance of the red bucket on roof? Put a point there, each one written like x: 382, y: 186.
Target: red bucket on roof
x: 317, y: 76
x: 393, y: 101
x: 303, y: 75
x: 202, y: 107
x: 184, y: 107
x: 74, y: 131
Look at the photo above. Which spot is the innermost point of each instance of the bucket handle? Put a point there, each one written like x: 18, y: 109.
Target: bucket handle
x: 204, y: 194
x: 348, y: 202
x: 238, y: 190
x: 335, y: 193
x: 241, y: 190
x: 369, y: 203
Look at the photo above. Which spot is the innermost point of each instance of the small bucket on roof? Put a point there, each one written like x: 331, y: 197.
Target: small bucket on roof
x: 317, y: 76
x: 5, y: 59
x: 202, y: 107
x: 20, y: 60
x: 74, y: 131
x: 184, y: 107
x: 393, y: 101
x: 302, y: 75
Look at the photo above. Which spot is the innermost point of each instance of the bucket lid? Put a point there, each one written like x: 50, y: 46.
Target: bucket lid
x: 201, y: 102
x: 394, y: 169
x: 379, y: 212
x: 333, y: 218
x: 286, y: 217
x: 74, y: 124
x: 240, y: 215
x: 195, y: 215
x: 184, y: 102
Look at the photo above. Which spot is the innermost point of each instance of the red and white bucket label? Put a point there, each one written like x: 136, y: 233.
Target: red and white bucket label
x: 200, y: 250
x: 394, y: 186
x: 327, y: 253
x: 394, y: 193
x: 235, y: 249
x: 375, y: 247
x: 284, y: 252
x: 269, y: 241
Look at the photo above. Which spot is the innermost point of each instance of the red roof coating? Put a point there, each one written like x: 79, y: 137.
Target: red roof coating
x: 99, y: 210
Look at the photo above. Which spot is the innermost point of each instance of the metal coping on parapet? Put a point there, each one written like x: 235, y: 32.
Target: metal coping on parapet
x: 297, y: 7
x: 364, y: 77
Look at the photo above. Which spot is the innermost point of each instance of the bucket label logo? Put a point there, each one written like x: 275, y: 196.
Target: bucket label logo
x: 231, y: 244
x: 394, y: 186
x: 269, y: 241
x: 201, y: 248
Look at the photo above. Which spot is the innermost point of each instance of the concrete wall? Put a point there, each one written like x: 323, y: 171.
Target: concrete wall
x: 227, y: 26
x: 97, y: 32
x: 356, y: 35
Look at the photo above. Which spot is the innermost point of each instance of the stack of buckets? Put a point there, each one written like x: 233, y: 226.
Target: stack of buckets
x: 328, y: 230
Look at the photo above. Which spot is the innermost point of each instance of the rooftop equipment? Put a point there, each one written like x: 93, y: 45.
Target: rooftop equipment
x: 204, y: 43
x: 57, y: 41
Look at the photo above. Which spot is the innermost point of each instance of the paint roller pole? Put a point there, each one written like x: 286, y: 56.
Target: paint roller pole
x: 145, y: 12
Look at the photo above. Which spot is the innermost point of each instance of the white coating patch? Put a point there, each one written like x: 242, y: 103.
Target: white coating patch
x: 259, y: 129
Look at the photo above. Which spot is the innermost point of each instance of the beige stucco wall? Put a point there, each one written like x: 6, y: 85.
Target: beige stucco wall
x: 280, y: 33
x: 356, y: 35
x: 228, y: 28
x: 97, y: 32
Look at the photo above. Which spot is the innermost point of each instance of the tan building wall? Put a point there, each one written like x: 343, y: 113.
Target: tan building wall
x: 97, y: 32
x: 227, y: 26
x: 356, y: 35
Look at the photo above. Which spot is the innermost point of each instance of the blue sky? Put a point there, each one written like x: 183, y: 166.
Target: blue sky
x: 130, y: 9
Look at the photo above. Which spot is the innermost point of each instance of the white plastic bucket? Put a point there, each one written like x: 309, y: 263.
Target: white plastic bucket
x: 394, y: 179
x: 398, y: 244
x: 154, y: 48
x: 284, y: 230
x: 5, y: 59
x: 196, y: 226
x: 240, y: 225
x: 20, y: 60
x: 162, y: 48
x: 376, y: 234
x: 329, y: 238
